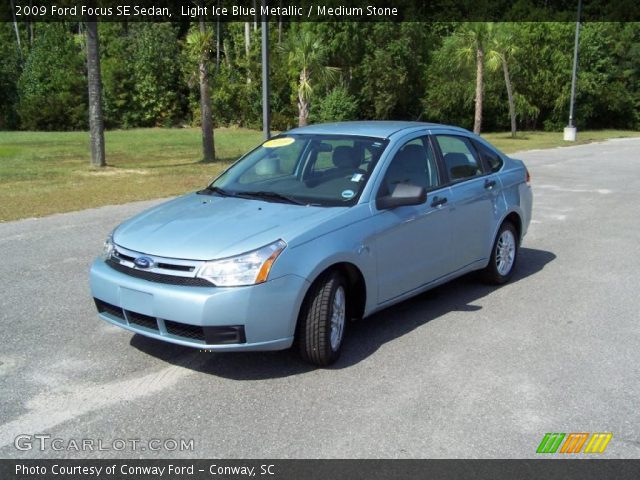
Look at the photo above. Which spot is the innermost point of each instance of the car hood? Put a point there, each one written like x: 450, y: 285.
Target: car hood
x: 206, y: 227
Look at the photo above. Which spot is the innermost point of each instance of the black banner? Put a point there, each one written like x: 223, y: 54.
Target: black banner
x: 319, y: 10
x: 319, y: 469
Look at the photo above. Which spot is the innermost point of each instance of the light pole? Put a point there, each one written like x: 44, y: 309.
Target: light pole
x: 265, y: 74
x: 570, y: 130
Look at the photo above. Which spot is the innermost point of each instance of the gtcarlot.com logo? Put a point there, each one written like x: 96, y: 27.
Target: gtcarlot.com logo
x: 573, y: 442
x: 45, y: 442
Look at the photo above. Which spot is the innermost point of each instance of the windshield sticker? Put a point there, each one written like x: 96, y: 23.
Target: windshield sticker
x: 347, y: 194
x: 278, y: 142
x: 357, y: 177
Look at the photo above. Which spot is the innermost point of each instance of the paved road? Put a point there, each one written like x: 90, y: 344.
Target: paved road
x: 462, y: 371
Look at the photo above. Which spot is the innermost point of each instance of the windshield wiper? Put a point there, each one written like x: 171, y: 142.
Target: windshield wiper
x: 264, y: 195
x: 220, y: 191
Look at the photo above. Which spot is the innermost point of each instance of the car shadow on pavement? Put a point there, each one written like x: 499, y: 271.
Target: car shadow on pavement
x: 364, y: 337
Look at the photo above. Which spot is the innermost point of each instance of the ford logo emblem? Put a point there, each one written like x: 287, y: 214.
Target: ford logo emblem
x: 143, y: 262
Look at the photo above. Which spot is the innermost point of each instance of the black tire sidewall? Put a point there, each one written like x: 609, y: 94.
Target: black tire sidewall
x: 316, y: 347
x: 492, y: 271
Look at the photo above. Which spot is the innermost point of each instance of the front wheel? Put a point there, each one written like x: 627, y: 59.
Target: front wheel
x: 503, y: 256
x: 322, y: 320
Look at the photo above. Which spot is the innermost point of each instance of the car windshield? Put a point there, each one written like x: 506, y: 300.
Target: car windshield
x: 325, y: 170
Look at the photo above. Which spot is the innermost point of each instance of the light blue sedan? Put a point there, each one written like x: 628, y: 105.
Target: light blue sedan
x: 314, y: 227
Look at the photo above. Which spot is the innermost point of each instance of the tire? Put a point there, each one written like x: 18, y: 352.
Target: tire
x: 504, y: 255
x: 322, y: 320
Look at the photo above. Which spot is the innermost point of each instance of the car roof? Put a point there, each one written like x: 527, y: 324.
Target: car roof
x: 369, y: 128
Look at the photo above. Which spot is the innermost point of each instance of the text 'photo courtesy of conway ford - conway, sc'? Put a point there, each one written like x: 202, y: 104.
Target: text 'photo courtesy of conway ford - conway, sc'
x: 317, y: 226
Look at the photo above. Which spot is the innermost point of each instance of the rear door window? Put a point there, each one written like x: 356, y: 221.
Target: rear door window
x: 459, y: 157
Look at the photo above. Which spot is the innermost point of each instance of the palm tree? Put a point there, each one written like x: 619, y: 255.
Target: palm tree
x: 94, y: 81
x: 501, y: 52
x: 472, y: 39
x: 199, y: 42
x: 307, y: 56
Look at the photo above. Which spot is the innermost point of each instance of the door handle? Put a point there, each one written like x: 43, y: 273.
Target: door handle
x: 438, y: 201
x: 489, y: 184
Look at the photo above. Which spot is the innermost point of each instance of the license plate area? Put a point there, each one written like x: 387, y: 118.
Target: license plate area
x: 136, y: 301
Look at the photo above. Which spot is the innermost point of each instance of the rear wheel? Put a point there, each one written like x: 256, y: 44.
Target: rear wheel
x: 323, y: 319
x: 503, y: 256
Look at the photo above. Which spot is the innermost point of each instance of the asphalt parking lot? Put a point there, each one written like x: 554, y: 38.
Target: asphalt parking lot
x: 465, y: 370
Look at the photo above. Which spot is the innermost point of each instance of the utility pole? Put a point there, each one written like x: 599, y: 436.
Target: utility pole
x: 265, y: 75
x: 570, y: 130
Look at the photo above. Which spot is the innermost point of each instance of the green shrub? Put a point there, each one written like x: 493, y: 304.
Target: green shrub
x: 156, y: 75
x: 52, y: 87
x: 9, y: 67
x: 338, y: 105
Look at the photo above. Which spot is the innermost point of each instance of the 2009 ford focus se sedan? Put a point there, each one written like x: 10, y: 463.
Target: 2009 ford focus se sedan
x: 315, y: 227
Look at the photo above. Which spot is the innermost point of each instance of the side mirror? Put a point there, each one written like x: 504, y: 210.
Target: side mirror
x: 403, y: 194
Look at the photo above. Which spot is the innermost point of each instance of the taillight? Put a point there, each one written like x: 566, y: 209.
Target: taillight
x: 528, y: 176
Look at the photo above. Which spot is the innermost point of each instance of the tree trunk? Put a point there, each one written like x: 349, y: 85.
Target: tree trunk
x: 208, y: 150
x: 227, y: 53
x: 247, y: 46
x: 255, y: 16
x: 303, y: 101
x: 247, y: 38
x: 15, y: 27
x: 512, y: 106
x: 280, y: 25
x: 477, y: 121
x: 303, y: 112
x: 96, y: 122
x: 31, y: 28
x: 218, y: 41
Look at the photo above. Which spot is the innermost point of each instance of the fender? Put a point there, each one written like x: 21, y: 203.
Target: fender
x: 351, y: 244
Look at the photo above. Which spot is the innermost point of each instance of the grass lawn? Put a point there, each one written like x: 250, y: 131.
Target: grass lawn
x: 539, y: 140
x: 48, y: 172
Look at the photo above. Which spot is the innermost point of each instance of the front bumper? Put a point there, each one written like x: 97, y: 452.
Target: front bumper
x: 251, y: 318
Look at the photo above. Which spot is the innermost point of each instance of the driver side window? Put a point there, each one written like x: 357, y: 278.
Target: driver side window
x: 414, y: 164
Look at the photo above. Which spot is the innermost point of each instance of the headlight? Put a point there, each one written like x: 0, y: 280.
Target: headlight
x: 107, y: 249
x: 247, y: 269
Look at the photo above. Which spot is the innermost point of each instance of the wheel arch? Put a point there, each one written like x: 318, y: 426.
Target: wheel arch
x: 514, y: 218
x: 356, y: 285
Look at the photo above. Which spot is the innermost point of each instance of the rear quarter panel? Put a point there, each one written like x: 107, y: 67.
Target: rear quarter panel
x: 517, y: 193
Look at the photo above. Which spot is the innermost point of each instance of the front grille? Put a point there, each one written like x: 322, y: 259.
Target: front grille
x: 219, y: 335
x: 159, y: 277
x: 142, y: 320
x: 121, y: 255
x: 179, y: 268
x: 104, y: 307
x: 183, y: 330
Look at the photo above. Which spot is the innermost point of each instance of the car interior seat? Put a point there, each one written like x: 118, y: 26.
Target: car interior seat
x: 346, y: 158
x: 409, y: 167
x: 458, y: 165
